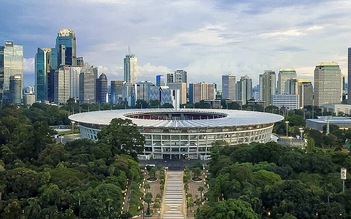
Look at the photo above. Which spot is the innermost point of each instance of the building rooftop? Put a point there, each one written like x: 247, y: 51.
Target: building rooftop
x: 208, y: 118
x: 328, y: 64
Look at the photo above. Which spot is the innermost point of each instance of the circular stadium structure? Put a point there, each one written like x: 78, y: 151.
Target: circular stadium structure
x: 183, y: 133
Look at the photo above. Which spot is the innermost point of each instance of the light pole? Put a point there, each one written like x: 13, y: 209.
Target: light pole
x: 301, y: 137
x: 287, y: 128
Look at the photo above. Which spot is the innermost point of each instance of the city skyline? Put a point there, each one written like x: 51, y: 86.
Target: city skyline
x: 205, y: 38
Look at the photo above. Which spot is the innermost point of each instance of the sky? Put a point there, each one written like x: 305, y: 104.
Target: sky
x: 207, y: 38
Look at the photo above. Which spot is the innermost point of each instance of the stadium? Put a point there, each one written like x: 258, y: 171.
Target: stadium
x: 183, y: 133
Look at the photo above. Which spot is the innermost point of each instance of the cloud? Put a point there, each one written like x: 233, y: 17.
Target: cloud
x: 28, y: 65
x: 207, y: 38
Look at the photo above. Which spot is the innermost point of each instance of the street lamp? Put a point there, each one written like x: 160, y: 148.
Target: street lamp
x: 287, y: 128
x: 301, y: 133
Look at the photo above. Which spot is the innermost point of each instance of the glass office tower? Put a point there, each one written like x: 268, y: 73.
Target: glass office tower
x: 11, y: 64
x: 42, y: 71
x: 66, y: 48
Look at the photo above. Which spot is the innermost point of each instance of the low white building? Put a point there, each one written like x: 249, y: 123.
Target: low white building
x: 337, y: 109
x: 288, y: 101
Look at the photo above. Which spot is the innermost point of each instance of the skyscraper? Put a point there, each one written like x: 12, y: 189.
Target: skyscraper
x: 74, y: 73
x: 143, y: 90
x: 42, y: 71
x: 327, y: 83
x: 87, y: 84
x: 101, y: 89
x: 170, y: 78
x: 228, y: 87
x: 349, y: 77
x: 201, y: 91
x: 130, y: 68
x: 180, y: 76
x: 116, y: 92
x: 305, y: 92
x: 61, y: 85
x: 11, y: 64
x: 15, y: 89
x: 160, y: 81
x: 283, y: 76
x: 267, y: 82
x: 66, y: 48
x: 244, y: 88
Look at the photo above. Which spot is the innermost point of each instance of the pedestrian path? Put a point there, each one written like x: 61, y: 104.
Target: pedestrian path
x: 174, y: 202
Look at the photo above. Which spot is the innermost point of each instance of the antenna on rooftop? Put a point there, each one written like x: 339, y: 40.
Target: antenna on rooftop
x: 129, y: 50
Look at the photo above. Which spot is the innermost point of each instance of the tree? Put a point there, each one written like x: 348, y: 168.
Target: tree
x: 231, y: 209
x: 190, y: 202
x: 146, y: 187
x: 196, y: 174
x: 123, y: 137
x: 141, y: 104
x: 152, y: 174
x: 148, y: 200
x: 201, y: 189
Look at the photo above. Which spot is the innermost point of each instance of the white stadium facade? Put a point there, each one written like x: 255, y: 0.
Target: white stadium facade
x: 183, y: 133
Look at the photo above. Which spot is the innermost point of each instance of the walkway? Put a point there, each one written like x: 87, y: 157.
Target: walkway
x: 174, y: 202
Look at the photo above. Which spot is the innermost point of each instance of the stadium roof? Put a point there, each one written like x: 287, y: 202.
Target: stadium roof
x: 232, y: 118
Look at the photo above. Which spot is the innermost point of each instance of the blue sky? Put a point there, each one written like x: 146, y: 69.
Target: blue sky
x: 207, y: 38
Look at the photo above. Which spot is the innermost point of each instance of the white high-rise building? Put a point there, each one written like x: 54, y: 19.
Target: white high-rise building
x: 327, y: 83
x: 228, y: 87
x: 267, y: 82
x: 244, y: 89
x: 130, y: 69
x: 283, y: 76
x: 61, y: 85
x: 74, y: 82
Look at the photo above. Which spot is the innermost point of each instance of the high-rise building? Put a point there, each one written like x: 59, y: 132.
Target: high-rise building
x: 74, y: 73
x: 229, y: 87
x: 130, y: 68
x: 117, y: 92
x: 101, y: 89
x: 143, y: 90
x: 267, y: 82
x: 15, y: 89
x: 349, y: 76
x: 42, y: 72
x: 327, y: 83
x: 291, y: 86
x: 65, y: 48
x: 160, y: 81
x: 61, y: 85
x: 170, y: 78
x: 283, y: 76
x: 201, y: 91
x: 180, y: 76
x: 11, y: 64
x: 305, y: 92
x: 87, y: 84
x: 129, y: 94
x: 244, y: 89
x: 182, y: 90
